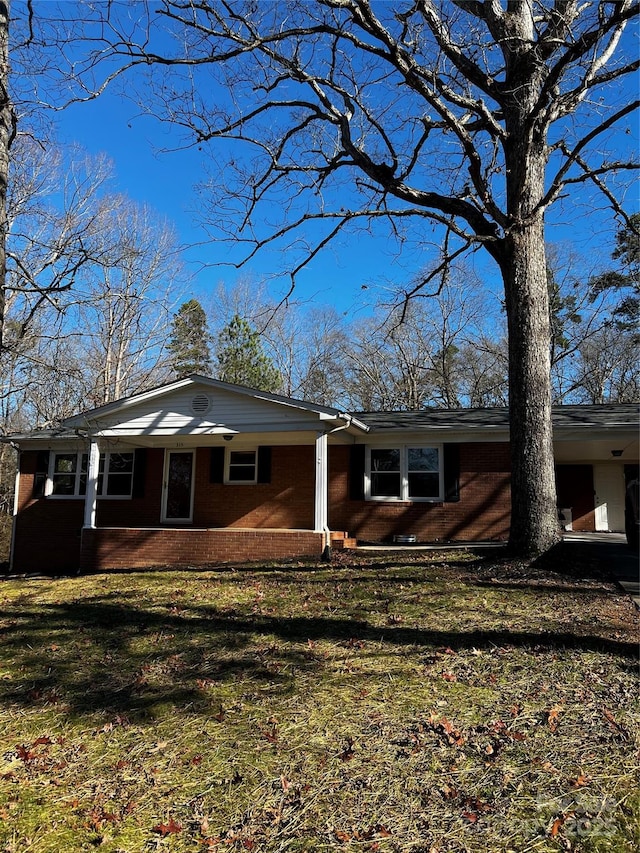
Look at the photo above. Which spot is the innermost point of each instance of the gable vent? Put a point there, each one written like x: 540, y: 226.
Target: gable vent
x: 200, y: 404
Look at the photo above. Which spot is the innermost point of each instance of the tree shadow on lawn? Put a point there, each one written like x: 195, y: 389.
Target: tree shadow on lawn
x: 580, y: 567
x: 99, y: 655
x: 587, y: 564
x: 568, y: 567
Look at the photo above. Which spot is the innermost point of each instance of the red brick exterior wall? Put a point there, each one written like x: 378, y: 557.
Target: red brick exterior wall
x: 286, y: 502
x: 483, y: 511
x: 110, y: 548
x: 48, y: 531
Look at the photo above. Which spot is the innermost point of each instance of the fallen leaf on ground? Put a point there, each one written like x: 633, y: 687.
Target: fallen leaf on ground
x: 553, y: 718
x: 171, y: 828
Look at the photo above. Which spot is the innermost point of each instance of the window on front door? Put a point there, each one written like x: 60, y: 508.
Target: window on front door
x: 178, y: 486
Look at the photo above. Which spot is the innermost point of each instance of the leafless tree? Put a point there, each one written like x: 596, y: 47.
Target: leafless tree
x: 409, y: 356
x: 478, y: 115
x: 7, y: 135
x: 607, y: 368
x: 326, y: 340
x: 50, y: 384
x: 483, y: 372
x: 52, y: 233
x: 53, y: 230
x: 124, y: 301
x: 89, y: 279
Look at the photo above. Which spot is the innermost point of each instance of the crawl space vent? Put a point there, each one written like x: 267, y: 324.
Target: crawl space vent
x: 200, y: 404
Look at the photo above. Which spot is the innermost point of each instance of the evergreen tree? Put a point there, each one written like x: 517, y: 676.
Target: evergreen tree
x: 189, y: 342
x: 563, y: 313
x: 241, y: 359
x: 626, y: 281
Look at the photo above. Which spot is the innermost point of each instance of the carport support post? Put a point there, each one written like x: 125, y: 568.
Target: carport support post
x: 321, y: 493
x: 91, y: 495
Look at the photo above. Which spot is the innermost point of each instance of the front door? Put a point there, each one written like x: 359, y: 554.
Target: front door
x: 574, y: 487
x: 177, y: 504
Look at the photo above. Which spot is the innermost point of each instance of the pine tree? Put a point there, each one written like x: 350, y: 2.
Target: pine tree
x: 189, y: 342
x: 241, y: 359
x: 624, y: 282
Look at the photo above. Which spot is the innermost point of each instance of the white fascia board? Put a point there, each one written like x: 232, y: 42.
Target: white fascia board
x: 238, y: 441
x: 59, y: 442
x: 438, y: 435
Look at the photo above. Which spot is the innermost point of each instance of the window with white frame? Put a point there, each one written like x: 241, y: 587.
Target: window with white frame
x: 404, y: 473
x: 115, y: 475
x: 242, y: 466
x: 69, y: 474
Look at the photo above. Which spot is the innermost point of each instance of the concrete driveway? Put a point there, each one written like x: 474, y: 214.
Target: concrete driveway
x: 612, y: 551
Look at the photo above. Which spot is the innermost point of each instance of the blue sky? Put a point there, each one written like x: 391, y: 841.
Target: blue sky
x: 338, y: 276
x: 164, y: 179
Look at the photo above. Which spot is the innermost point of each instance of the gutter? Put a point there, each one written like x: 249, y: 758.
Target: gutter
x: 351, y: 421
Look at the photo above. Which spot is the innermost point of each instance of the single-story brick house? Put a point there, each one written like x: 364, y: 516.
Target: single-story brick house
x: 200, y: 471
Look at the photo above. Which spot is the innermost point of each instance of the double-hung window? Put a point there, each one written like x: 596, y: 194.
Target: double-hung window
x: 115, y: 475
x: 404, y: 473
x: 242, y: 466
x: 69, y: 473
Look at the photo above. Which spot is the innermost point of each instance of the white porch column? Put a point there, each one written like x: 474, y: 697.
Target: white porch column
x: 90, y: 498
x: 322, y: 484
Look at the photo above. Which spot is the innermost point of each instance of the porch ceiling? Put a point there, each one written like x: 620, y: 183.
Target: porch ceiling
x: 218, y: 439
x: 598, y: 451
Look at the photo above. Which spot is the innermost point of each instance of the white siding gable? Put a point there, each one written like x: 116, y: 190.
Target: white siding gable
x: 199, y: 409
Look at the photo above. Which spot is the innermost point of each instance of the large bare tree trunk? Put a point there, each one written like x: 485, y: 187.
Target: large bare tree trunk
x: 7, y: 131
x: 534, y: 526
x: 533, y: 505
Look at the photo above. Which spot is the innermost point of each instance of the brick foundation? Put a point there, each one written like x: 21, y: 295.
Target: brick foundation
x: 122, y: 548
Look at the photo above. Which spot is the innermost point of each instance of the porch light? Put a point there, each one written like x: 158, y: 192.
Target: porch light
x: 617, y: 453
x: 230, y: 438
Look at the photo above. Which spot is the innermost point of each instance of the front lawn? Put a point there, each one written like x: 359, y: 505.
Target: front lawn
x: 405, y: 702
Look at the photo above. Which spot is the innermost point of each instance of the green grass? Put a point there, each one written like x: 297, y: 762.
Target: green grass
x: 443, y: 702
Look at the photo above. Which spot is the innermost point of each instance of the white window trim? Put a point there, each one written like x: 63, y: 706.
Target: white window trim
x: 107, y: 455
x: 77, y: 495
x: 227, y: 465
x: 404, y: 478
x: 69, y: 451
